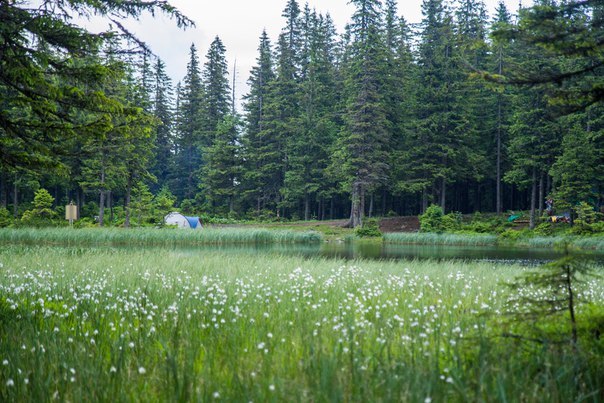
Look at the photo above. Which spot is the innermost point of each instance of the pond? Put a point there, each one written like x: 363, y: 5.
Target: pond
x: 379, y: 251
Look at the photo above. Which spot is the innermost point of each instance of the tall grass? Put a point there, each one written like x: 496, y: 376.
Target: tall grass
x: 82, y: 324
x: 148, y: 236
x: 427, y: 238
x: 420, y: 238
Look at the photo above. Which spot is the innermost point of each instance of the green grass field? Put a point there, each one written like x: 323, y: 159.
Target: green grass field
x: 107, y: 324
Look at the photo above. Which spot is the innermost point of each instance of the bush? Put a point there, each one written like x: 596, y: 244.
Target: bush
x: 451, y: 222
x: 598, y: 227
x: 42, y: 213
x: 370, y: 228
x: 510, y: 235
x: 432, y: 220
x: 6, y: 218
x: 544, y: 229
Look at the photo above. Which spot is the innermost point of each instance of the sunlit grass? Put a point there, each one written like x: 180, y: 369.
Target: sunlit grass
x: 110, y: 324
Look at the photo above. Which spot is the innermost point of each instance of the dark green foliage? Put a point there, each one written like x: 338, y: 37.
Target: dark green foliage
x: 163, y: 204
x: 370, y: 229
x: 383, y: 119
x: 6, y: 218
x: 189, y: 130
x: 431, y: 220
x: 222, y: 168
x: 50, y: 76
x: 42, y: 212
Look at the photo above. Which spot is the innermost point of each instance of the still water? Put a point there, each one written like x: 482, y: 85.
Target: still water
x: 378, y: 251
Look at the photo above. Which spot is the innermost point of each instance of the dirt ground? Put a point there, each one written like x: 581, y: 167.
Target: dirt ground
x: 391, y: 224
x: 400, y: 224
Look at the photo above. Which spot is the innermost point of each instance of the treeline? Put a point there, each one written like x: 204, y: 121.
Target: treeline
x: 466, y: 111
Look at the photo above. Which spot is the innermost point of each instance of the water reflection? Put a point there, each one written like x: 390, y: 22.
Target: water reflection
x: 379, y: 251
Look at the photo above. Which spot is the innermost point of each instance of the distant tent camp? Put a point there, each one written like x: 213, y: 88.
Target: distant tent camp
x: 182, y: 221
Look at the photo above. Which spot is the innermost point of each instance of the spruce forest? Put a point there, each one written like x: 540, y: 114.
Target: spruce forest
x: 468, y: 111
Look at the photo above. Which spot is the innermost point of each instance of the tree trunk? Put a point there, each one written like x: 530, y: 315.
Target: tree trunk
x: 102, y: 198
x: 15, y: 198
x: 110, y: 205
x: 355, y: 209
x: 127, y: 201
x: 331, y: 208
x: 101, y: 207
x: 533, y: 199
x: 443, y: 196
x: 424, y: 205
x: 498, y: 197
x: 371, y: 205
x: 3, y: 190
x: 571, y: 306
x: 306, y: 207
x: 541, y: 195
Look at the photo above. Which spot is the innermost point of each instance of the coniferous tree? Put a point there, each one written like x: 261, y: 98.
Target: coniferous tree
x: 361, y: 150
x: 437, y: 153
x: 54, y: 103
x: 189, y: 130
x: 163, y: 111
x: 501, y: 54
x: 256, y: 119
x: 216, y: 101
x: 309, y: 147
x: 222, y: 169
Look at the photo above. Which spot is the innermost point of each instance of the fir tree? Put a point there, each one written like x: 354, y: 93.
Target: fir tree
x: 361, y: 155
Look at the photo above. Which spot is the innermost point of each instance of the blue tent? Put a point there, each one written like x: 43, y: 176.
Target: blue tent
x: 193, y: 221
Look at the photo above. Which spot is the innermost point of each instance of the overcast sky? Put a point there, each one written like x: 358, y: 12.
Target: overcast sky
x: 239, y: 24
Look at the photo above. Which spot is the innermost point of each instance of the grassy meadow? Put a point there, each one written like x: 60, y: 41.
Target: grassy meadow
x: 117, y: 324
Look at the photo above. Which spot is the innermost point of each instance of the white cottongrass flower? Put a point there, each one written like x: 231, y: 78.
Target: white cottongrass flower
x: 142, y: 370
x: 5, y: 362
x: 216, y: 395
x: 271, y: 387
x: 10, y: 383
x: 112, y: 369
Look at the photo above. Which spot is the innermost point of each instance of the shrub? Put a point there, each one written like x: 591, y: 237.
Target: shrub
x: 42, y: 213
x: 451, y: 222
x: 510, y: 235
x: 544, y: 229
x: 6, y: 219
x: 432, y: 220
x: 598, y: 227
x: 370, y: 228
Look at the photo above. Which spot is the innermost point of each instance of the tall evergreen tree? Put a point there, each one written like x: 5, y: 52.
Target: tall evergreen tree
x: 222, y: 169
x: 310, y: 144
x: 438, y: 152
x: 189, y: 129
x: 216, y: 101
x: 256, y: 120
x: 164, y: 136
x: 361, y: 153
